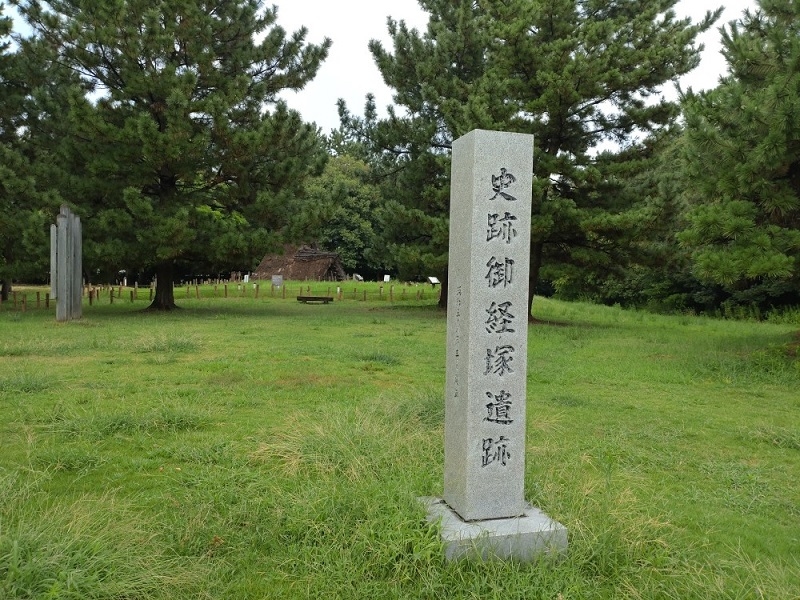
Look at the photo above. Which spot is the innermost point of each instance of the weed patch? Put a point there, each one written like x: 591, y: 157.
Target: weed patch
x: 166, y: 344
x: 79, y: 459
x: 24, y: 383
x: 376, y: 361
x: 154, y: 422
x: 317, y: 447
x: 779, y: 437
x: 90, y: 548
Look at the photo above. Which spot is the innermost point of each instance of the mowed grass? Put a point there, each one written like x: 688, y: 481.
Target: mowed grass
x: 262, y: 448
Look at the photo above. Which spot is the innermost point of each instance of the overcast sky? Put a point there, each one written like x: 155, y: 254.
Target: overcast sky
x: 350, y: 73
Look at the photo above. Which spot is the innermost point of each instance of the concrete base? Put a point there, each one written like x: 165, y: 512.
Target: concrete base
x: 524, y: 538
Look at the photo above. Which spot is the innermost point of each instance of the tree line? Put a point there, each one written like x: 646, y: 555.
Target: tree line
x: 160, y: 123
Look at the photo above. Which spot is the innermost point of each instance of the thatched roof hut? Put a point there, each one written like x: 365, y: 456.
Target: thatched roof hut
x: 304, y: 263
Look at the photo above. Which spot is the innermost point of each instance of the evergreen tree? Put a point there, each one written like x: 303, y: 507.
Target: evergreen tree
x: 339, y: 213
x: 575, y: 73
x: 642, y: 255
x: 646, y: 267
x: 7, y: 157
x: 24, y: 241
x: 173, y: 145
x: 743, y: 161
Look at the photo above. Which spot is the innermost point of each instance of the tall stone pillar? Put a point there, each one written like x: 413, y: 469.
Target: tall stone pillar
x: 66, y: 265
x: 484, y: 511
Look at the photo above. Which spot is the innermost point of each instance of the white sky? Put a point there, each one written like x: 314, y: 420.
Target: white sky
x: 350, y: 73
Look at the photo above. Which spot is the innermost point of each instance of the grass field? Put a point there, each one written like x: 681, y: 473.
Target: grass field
x: 262, y: 448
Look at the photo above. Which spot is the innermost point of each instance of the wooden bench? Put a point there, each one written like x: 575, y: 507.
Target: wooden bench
x: 313, y: 299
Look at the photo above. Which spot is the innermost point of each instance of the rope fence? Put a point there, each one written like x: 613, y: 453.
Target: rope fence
x: 26, y: 299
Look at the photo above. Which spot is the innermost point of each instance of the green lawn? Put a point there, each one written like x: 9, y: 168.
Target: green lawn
x: 261, y: 448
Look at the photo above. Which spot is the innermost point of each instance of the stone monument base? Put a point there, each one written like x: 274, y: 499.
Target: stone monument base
x: 524, y: 538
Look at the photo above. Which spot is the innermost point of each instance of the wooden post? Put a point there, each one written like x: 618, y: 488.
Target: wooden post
x: 151, y: 293
x: 111, y: 296
x: 256, y: 290
x: 391, y: 293
x: 24, y: 302
x: 197, y: 291
x: 131, y: 296
x: 380, y: 293
x: 47, y: 300
x: 91, y: 296
x: 38, y: 299
x: 403, y: 294
x: 215, y: 290
x: 226, y: 290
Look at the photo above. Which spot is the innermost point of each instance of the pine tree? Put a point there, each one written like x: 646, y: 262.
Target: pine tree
x: 173, y: 145
x: 24, y: 242
x: 7, y: 157
x: 576, y: 73
x: 743, y: 161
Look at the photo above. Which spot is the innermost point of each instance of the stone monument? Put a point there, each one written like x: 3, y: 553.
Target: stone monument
x: 66, y: 265
x: 484, y: 513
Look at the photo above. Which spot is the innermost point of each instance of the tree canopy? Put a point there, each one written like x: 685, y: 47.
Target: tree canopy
x: 172, y: 143
x: 160, y: 124
x: 23, y: 234
x: 743, y: 161
x: 340, y: 211
x: 576, y: 73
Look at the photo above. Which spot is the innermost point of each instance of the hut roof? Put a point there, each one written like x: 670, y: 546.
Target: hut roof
x: 304, y: 263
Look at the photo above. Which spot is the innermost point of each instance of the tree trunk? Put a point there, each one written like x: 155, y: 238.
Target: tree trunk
x: 533, y: 275
x: 164, y: 298
x: 443, y: 293
x: 5, y: 289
